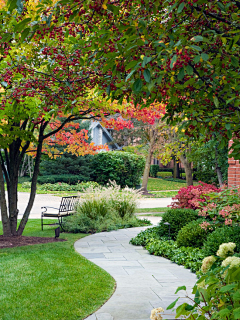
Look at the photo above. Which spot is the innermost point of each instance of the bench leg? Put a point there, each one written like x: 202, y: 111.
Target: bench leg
x: 42, y: 221
x: 60, y: 223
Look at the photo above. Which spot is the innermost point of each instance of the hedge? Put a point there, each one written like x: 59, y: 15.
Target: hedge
x: 124, y: 167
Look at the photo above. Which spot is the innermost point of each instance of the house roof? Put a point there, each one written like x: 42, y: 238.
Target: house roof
x: 95, y: 124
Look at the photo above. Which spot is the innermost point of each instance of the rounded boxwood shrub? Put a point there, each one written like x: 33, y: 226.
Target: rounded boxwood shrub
x: 177, y: 219
x: 123, y: 167
x: 222, y: 235
x: 192, y: 235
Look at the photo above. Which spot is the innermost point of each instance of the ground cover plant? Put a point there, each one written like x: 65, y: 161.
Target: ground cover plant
x: 58, y: 283
x: 104, y: 209
x: 161, y: 246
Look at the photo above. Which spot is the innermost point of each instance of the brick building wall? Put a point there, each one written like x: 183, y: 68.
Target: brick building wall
x: 233, y: 170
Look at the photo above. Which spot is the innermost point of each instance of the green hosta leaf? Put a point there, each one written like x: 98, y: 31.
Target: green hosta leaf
x: 204, y: 56
x: 20, y: 26
x: 147, y: 75
x: 230, y: 100
x: 236, y: 296
x: 181, y: 74
x: 216, y: 102
x: 137, y: 86
x: 159, y: 80
x: 236, y: 313
x: 172, y: 305
x: 196, y: 47
x: 108, y: 90
x: 189, y: 70
x: 223, y: 313
x: 131, y: 64
x: 221, y: 6
x: 12, y: 5
x: 25, y: 33
x: 197, y: 38
x: 146, y: 60
x: 180, y: 288
x: 234, y: 61
x: 180, y: 8
x: 228, y: 287
x: 173, y: 61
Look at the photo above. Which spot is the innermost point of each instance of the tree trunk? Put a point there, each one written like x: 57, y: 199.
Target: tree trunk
x: 148, y: 163
x: 3, y: 206
x: 188, y: 170
x: 218, y: 169
x: 174, y: 168
x: 178, y: 170
x: 33, y: 189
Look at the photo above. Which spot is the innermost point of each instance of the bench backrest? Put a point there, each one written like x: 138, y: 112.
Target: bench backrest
x: 67, y: 204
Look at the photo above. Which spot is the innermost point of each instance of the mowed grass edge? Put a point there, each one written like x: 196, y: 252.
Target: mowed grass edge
x: 50, y: 281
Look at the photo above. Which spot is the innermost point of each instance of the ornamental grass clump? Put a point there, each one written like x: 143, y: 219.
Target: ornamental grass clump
x: 217, y: 292
x: 104, y: 209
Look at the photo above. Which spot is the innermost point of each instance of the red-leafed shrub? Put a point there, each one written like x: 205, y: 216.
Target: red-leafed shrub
x: 190, y: 197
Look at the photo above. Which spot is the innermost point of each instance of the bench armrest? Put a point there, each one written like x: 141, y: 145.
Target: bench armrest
x: 46, y: 207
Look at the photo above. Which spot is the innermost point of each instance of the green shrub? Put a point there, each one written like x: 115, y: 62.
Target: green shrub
x: 192, y: 235
x: 144, y: 236
x: 154, y: 168
x: 219, y: 236
x: 26, y: 185
x: 66, y: 178
x: 177, y: 219
x: 123, y: 167
x: 164, y: 174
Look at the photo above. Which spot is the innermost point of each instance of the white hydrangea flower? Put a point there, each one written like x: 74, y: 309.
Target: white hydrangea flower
x: 155, y: 314
x: 231, y: 261
x: 226, y: 249
x: 207, y: 263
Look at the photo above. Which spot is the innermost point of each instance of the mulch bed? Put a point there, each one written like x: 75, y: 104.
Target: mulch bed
x: 19, y: 241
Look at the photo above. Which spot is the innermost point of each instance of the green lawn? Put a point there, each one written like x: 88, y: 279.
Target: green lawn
x: 143, y: 210
x: 50, y: 281
x: 156, y: 184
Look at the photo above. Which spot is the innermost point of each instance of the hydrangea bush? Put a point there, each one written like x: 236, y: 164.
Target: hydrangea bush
x: 217, y: 292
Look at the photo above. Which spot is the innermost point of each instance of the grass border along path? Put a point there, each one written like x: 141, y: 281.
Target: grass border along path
x: 50, y: 281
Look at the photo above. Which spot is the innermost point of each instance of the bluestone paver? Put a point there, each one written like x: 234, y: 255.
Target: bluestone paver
x: 143, y: 281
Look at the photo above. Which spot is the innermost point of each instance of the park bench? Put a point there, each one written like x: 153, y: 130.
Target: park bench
x: 65, y: 209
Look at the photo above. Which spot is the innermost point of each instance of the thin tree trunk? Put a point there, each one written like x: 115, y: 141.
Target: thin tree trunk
x: 188, y: 170
x: 3, y: 206
x: 174, y: 168
x: 218, y: 169
x: 148, y: 163
x: 33, y: 189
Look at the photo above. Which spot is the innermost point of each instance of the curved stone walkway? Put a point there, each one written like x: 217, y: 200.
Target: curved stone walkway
x: 143, y: 281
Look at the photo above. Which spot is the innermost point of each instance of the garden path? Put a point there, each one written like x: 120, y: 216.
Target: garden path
x: 143, y: 281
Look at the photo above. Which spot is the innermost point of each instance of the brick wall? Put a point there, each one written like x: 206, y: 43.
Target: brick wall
x: 233, y: 170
